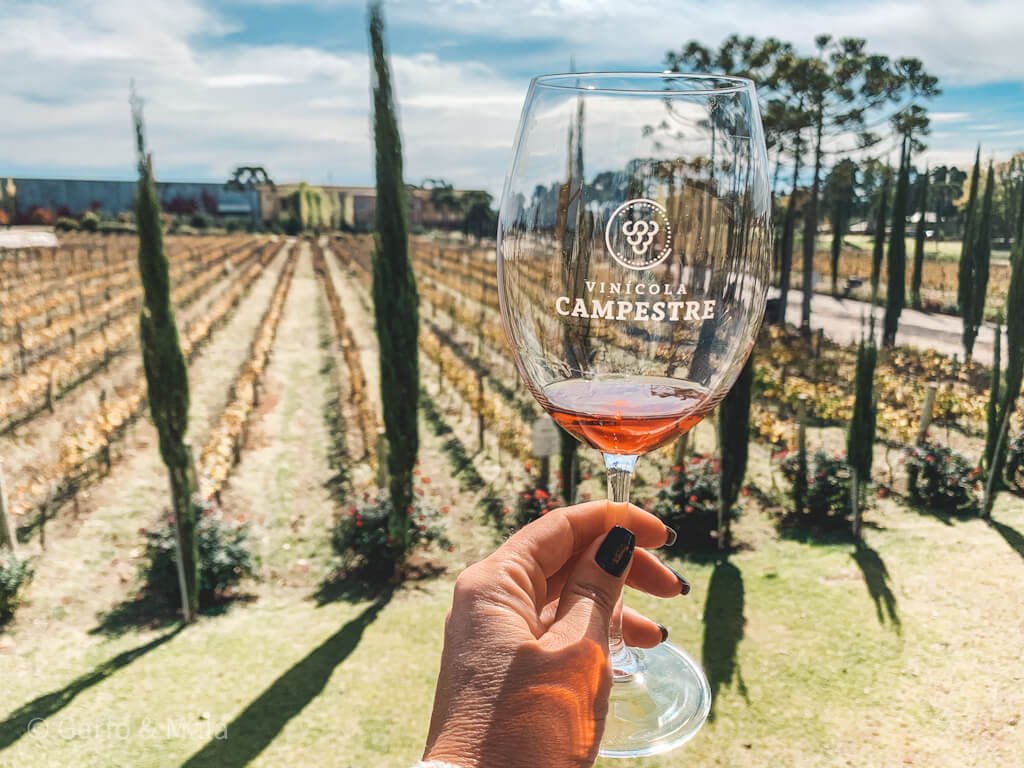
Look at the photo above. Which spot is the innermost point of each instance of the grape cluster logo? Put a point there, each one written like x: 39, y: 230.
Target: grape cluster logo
x: 638, y: 235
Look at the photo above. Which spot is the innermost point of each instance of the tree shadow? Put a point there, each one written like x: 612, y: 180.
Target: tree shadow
x: 876, y: 578
x: 724, y: 624
x: 1010, y: 535
x: 339, y: 587
x: 20, y: 721
x: 258, y: 725
x: 147, y: 611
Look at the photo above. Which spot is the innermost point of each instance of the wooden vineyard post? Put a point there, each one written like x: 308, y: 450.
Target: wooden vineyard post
x: 7, y: 537
x: 480, y: 410
x: 855, y: 502
x: 51, y: 388
x: 926, y: 411
x: 19, y: 335
x: 545, y: 442
x: 382, y: 457
x: 800, y: 486
x: 988, y: 500
x: 801, y: 440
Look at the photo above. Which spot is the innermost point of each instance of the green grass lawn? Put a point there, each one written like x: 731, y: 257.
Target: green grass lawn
x: 905, y: 652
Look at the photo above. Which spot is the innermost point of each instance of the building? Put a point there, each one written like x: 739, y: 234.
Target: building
x: 267, y: 202
x: 72, y: 197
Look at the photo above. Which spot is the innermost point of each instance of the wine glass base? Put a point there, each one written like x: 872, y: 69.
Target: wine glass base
x: 657, y: 708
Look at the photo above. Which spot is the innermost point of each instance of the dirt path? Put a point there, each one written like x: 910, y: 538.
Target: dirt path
x: 280, y: 483
x: 841, y: 321
x: 90, y: 563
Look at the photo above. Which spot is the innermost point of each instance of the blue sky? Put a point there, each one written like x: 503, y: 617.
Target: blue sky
x: 284, y: 83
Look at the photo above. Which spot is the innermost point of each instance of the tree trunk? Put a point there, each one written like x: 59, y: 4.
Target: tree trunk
x: 919, y: 238
x: 811, y: 231
x: 788, y: 230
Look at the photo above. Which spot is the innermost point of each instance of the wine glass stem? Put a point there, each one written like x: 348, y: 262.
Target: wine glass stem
x: 620, y: 478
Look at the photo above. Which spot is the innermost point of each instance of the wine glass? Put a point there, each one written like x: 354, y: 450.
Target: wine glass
x: 634, y: 248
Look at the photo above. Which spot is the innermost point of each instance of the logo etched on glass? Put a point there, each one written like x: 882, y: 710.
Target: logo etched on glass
x: 638, y: 234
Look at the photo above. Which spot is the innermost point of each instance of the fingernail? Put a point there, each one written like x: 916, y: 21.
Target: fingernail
x: 616, y: 550
x: 684, y: 585
x: 670, y: 536
x: 664, y: 632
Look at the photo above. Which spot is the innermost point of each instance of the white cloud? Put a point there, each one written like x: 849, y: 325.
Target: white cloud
x: 301, y: 111
x: 963, y: 41
x: 304, y: 112
x: 949, y: 117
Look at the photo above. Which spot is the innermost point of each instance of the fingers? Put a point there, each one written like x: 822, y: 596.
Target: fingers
x: 639, y: 631
x: 647, y: 574
x: 593, y: 587
x: 551, y: 541
x: 651, y: 575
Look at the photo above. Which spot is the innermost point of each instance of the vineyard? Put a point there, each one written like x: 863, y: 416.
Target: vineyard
x: 286, y: 422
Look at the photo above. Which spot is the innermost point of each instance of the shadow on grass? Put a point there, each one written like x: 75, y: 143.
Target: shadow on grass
x: 724, y: 624
x: 21, y: 720
x: 350, y: 590
x: 259, y: 724
x: 793, y: 529
x: 1011, y: 535
x: 147, y: 611
x: 876, y: 578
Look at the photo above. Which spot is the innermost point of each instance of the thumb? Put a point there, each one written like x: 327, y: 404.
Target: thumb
x: 590, y: 593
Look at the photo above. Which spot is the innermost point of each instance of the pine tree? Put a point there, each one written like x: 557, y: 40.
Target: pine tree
x: 395, y: 300
x: 919, y: 238
x: 166, y: 371
x: 895, y: 295
x: 860, y: 441
x: 879, y: 244
x: 981, y: 257
x: 734, y: 436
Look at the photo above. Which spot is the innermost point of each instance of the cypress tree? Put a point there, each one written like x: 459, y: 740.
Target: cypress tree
x: 895, y: 294
x: 395, y: 301
x: 996, y: 443
x: 981, y: 257
x: 992, y: 414
x: 166, y: 371
x: 860, y: 440
x: 733, y: 436
x: 919, y: 237
x: 879, y: 244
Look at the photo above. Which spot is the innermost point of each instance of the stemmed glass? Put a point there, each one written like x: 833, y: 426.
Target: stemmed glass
x: 634, y: 248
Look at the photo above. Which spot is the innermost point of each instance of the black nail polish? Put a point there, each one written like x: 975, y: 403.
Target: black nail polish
x: 664, y: 632
x: 670, y: 537
x: 684, y: 585
x: 616, y: 550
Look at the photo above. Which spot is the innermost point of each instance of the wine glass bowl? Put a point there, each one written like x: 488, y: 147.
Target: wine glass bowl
x: 634, y: 244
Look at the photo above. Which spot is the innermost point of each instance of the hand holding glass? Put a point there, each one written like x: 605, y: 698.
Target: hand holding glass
x: 634, y: 249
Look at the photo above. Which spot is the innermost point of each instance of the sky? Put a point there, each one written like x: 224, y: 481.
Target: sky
x: 285, y: 83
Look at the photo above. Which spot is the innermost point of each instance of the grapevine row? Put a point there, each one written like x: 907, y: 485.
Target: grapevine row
x: 42, y: 384
x: 360, y: 395
x: 84, y: 449
x: 44, y: 341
